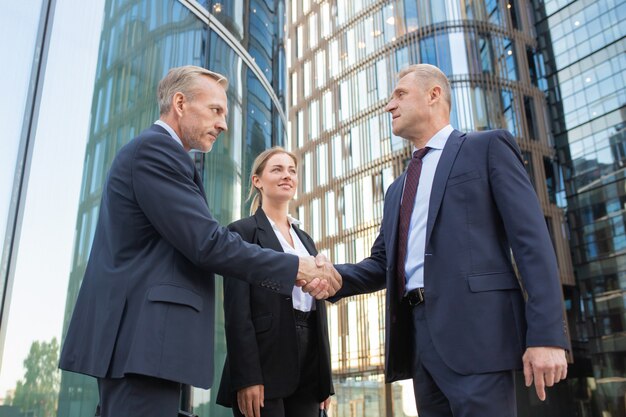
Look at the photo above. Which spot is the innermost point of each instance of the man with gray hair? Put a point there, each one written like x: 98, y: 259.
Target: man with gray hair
x: 457, y: 322
x: 143, y: 320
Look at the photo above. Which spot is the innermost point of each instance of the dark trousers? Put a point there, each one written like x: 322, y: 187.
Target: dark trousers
x: 138, y: 395
x: 303, y: 402
x: 441, y: 392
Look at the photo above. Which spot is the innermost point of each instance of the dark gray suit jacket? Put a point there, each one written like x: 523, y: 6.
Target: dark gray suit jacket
x: 146, y: 304
x: 261, y: 331
x: 482, y: 205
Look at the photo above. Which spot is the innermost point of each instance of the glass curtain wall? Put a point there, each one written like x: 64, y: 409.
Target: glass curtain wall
x: 343, y: 59
x: 167, y: 34
x: 582, y: 44
x: 42, y: 243
x: 18, y: 80
x: 132, y: 44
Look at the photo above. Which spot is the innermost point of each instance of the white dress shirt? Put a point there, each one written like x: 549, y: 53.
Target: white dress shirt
x: 416, y: 244
x: 301, y: 300
x: 169, y: 130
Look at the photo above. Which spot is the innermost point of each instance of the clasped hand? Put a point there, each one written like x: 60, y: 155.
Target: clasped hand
x: 318, y: 277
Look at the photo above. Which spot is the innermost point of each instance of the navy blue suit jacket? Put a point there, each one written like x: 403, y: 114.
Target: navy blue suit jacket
x: 261, y: 331
x: 146, y: 304
x: 482, y: 205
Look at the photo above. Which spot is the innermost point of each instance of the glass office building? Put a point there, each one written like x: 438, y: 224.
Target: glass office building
x: 582, y: 44
x: 137, y: 42
x: 343, y: 60
x: 82, y: 80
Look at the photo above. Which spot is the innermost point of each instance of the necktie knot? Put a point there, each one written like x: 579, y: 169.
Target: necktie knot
x: 420, y: 153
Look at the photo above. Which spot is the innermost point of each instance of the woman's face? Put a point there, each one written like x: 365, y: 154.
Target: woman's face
x: 279, y: 179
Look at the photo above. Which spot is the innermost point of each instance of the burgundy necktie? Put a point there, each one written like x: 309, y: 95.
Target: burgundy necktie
x: 406, y: 209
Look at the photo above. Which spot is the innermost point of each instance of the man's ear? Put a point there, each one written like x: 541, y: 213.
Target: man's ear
x: 434, y: 93
x: 177, y: 103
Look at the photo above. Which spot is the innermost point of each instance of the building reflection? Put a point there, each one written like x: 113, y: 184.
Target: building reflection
x: 582, y: 44
x: 140, y: 41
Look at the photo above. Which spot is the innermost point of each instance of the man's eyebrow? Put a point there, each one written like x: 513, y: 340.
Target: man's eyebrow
x: 397, y: 90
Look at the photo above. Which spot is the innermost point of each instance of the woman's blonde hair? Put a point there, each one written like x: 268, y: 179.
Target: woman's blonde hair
x: 257, y: 169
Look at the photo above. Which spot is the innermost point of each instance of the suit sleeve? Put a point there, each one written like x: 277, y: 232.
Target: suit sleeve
x: 244, y: 360
x: 367, y: 276
x: 530, y: 241
x: 162, y: 180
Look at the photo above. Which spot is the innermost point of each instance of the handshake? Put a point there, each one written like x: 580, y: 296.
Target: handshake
x: 318, y: 277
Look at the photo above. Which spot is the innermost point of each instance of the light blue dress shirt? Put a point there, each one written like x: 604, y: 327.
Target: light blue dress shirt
x: 169, y: 130
x: 416, y: 244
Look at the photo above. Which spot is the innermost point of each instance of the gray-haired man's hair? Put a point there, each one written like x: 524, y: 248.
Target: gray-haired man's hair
x: 431, y: 75
x: 182, y: 80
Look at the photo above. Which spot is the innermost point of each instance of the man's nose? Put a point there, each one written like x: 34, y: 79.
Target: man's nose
x: 222, y: 126
x: 391, y: 105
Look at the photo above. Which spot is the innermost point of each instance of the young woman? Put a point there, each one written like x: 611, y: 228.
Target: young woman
x: 278, y: 356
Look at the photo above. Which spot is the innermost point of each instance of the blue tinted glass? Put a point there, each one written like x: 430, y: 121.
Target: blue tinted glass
x: 410, y: 15
x: 428, y: 53
x: 493, y: 11
x: 508, y: 111
x: 486, y: 59
x: 444, y: 60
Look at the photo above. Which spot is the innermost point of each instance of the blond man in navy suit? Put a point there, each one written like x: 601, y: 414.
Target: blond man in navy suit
x: 457, y: 322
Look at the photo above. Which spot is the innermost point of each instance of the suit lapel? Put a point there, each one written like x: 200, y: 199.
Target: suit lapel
x: 310, y: 247
x: 265, y: 233
x: 391, y: 219
x: 450, y: 151
x: 197, y: 179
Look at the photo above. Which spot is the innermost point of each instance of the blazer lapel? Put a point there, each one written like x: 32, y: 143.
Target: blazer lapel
x: 265, y: 233
x: 310, y: 247
x: 197, y: 178
x: 450, y: 151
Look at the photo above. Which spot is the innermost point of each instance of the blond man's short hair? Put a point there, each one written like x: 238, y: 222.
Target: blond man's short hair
x: 430, y: 75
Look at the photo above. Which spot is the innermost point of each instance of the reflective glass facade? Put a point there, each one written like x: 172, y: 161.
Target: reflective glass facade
x: 343, y: 58
x: 54, y: 119
x: 136, y: 42
x: 583, y: 44
x: 20, y: 82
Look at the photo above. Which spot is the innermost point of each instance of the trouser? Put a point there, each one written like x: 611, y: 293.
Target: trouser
x: 441, y: 392
x: 138, y: 395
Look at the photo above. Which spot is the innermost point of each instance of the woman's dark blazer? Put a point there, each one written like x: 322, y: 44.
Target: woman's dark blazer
x: 260, y: 328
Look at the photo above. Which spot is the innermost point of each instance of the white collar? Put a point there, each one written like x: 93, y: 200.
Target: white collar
x: 169, y: 130
x: 290, y: 219
x: 438, y: 141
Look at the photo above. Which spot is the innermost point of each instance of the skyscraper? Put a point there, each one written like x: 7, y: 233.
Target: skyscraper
x: 582, y: 44
x: 551, y: 71
x: 343, y: 60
